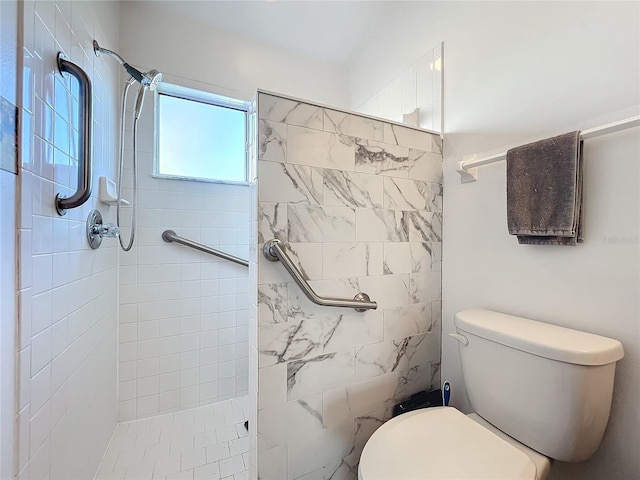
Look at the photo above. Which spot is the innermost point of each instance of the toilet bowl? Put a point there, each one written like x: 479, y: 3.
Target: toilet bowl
x: 514, y: 369
x: 443, y: 443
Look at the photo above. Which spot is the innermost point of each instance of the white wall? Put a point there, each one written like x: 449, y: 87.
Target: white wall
x: 183, y: 314
x: 228, y: 63
x: 517, y: 72
x: 67, y: 292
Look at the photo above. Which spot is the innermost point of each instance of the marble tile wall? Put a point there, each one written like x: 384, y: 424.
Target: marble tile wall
x: 358, y: 203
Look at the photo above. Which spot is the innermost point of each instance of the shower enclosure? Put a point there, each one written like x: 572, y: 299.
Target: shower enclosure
x: 183, y: 321
x: 146, y: 363
x: 183, y: 312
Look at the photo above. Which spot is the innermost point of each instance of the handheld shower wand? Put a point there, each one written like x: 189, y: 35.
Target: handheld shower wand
x: 148, y: 81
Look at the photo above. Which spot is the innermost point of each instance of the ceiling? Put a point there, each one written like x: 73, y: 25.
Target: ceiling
x: 323, y: 30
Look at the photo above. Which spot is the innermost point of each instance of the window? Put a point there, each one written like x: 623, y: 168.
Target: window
x: 200, y: 136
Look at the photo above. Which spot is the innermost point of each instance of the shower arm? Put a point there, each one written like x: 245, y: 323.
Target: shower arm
x: 135, y: 73
x: 99, y: 50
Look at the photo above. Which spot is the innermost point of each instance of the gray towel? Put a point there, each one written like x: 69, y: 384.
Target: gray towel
x: 544, y: 191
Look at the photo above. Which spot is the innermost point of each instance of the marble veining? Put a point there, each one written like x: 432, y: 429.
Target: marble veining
x: 352, y: 189
x: 425, y: 287
x: 291, y: 421
x: 272, y: 303
x: 381, y: 159
x: 290, y: 112
x: 397, y: 258
x: 366, y: 425
x: 306, y: 257
x: 425, y: 226
x: 426, y: 166
x: 404, y: 194
x: 321, y: 453
x: 424, y: 255
x: 281, y: 182
x: 342, y: 260
x: 316, y: 374
x: 272, y: 144
x: 388, y: 356
x: 293, y: 341
x: 272, y: 222
x: 314, y: 148
x: 377, y: 225
x: 407, y: 320
x: 302, y: 338
x: 347, y: 468
x: 353, y: 125
x: 408, y: 137
x: 309, y: 223
x: 419, y: 369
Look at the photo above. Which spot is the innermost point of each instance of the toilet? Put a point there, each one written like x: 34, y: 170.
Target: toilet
x: 539, y: 391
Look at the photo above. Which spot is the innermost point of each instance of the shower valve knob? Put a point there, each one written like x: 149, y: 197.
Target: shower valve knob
x: 96, y: 230
x: 106, y: 230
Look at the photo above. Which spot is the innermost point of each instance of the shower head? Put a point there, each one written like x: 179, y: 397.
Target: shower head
x: 149, y: 79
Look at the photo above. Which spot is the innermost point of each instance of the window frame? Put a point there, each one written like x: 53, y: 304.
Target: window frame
x: 208, y: 98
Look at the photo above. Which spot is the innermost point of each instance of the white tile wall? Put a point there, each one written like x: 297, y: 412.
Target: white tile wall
x: 8, y: 309
x: 9, y: 53
x: 419, y: 87
x: 184, y: 315
x: 358, y: 203
x: 67, y: 292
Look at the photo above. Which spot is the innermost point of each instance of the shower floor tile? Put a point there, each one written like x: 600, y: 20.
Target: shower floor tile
x: 203, y: 443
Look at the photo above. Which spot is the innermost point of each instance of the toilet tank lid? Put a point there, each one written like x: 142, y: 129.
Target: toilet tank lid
x: 538, y: 338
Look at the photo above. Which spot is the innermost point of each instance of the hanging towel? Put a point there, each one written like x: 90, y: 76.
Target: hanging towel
x: 544, y: 191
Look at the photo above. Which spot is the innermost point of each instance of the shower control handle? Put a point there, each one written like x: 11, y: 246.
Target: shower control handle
x: 109, y: 230
x: 96, y: 230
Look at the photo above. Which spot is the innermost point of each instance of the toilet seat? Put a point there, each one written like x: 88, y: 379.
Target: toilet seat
x: 441, y: 443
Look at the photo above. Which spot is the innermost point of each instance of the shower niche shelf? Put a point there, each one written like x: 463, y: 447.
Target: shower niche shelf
x: 107, y: 192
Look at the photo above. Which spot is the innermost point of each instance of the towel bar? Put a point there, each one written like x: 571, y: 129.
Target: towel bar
x: 466, y: 168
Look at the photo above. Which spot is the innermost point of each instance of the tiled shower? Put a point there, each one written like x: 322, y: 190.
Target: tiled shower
x: 146, y: 364
x: 184, y: 315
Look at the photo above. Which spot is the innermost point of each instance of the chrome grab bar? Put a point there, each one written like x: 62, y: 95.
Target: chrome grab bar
x: 274, y: 252
x: 83, y: 190
x: 170, y: 236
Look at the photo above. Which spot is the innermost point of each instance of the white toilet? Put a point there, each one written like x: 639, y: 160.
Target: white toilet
x: 540, y: 392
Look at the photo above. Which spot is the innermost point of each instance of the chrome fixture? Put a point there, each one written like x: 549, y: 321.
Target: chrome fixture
x: 170, y: 236
x: 96, y: 230
x: 83, y: 191
x: 273, y: 251
x: 148, y: 81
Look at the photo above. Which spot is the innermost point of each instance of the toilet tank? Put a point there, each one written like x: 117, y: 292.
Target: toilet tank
x: 547, y: 386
